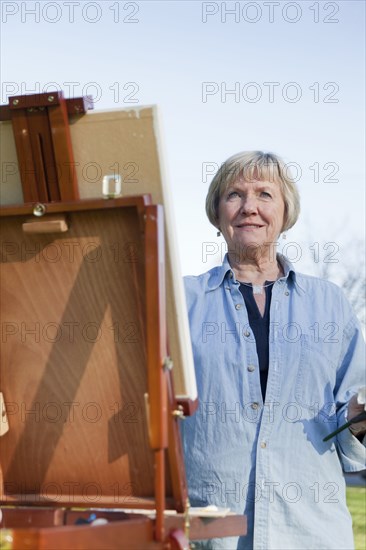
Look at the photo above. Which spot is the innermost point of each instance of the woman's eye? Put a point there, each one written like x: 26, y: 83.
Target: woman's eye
x: 233, y: 195
x: 266, y: 195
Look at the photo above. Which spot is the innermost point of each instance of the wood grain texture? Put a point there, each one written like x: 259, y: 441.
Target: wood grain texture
x: 49, y: 224
x: 40, y: 138
x: 73, y: 361
x: 123, y: 531
x: 63, y: 152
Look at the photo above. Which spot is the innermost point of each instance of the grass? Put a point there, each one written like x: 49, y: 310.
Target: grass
x: 356, y: 500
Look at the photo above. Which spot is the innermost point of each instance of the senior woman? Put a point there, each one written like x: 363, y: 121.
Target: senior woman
x: 279, y: 360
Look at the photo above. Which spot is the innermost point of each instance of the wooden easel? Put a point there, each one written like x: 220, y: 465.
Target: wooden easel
x: 94, y: 289
x: 42, y: 136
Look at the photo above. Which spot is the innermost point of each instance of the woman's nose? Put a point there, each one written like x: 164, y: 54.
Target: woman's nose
x: 248, y: 205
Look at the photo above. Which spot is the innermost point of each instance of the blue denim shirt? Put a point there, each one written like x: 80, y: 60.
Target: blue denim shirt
x: 267, y: 460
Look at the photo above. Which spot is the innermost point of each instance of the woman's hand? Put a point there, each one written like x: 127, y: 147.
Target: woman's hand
x: 355, y: 408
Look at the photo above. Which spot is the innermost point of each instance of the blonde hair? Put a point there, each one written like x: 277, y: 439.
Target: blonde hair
x: 259, y: 166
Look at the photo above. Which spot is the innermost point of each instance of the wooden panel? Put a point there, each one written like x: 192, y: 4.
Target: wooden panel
x: 67, y: 182
x: 74, y: 105
x: 126, y: 142
x: 134, y: 534
x: 29, y: 517
x: 32, y: 187
x: 43, y: 157
x: 31, y: 528
x: 123, y: 531
x: 73, y: 361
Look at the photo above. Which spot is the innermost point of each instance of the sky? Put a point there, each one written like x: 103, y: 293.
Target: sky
x: 287, y: 77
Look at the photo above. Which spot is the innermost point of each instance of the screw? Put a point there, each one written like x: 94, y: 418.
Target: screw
x: 39, y: 209
x: 16, y: 101
x: 50, y: 98
x: 168, y: 363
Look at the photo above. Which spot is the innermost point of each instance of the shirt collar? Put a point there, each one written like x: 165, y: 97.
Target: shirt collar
x: 291, y: 275
x: 219, y: 273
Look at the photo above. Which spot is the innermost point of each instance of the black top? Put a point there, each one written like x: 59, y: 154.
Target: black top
x: 260, y: 328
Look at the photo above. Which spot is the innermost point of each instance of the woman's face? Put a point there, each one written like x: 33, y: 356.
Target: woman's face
x: 251, y: 214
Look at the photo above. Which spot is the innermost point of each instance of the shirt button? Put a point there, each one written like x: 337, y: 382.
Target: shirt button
x: 251, y: 368
x: 263, y: 444
x: 231, y: 274
x: 238, y: 306
x: 287, y: 293
x: 247, y: 333
x: 254, y: 406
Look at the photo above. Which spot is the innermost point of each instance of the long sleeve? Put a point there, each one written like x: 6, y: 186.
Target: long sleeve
x: 351, y: 375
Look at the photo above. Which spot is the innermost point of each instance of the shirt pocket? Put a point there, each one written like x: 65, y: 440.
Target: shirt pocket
x: 316, y: 376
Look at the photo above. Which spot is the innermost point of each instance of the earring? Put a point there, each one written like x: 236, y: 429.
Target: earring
x: 218, y: 234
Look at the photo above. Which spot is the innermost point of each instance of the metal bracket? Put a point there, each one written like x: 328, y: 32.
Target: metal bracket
x: 187, y: 523
x: 178, y: 412
x: 168, y: 363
